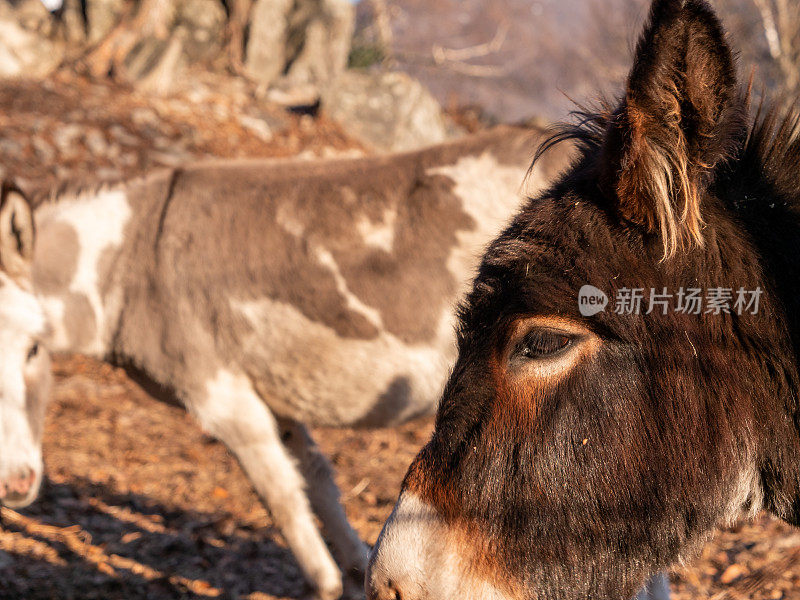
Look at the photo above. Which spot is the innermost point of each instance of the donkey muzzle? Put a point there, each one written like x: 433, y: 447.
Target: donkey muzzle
x: 419, y: 557
x: 20, y: 489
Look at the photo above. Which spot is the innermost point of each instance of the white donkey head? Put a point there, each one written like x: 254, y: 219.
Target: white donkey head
x: 24, y: 363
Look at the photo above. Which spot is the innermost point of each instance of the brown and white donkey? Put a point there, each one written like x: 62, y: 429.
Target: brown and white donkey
x: 264, y: 296
x: 627, y: 377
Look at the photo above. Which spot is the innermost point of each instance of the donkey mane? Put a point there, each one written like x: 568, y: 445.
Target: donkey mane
x: 75, y: 189
x: 586, y: 132
x: 771, y: 144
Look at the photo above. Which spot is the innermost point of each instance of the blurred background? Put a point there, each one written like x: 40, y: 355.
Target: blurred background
x: 140, y: 503
x: 116, y: 86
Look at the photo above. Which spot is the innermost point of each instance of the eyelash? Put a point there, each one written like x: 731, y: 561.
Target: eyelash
x: 541, y: 343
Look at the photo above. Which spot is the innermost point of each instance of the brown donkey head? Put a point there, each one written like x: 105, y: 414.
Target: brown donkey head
x: 582, y: 446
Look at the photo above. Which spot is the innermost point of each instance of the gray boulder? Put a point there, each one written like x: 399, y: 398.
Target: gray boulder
x: 389, y: 112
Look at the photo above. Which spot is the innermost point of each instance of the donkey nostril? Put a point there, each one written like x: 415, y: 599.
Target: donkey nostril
x: 14, y: 489
x: 388, y: 590
x: 23, y: 482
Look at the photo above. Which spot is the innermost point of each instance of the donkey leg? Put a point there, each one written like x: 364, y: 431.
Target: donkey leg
x: 231, y: 411
x: 324, y: 495
x: 656, y: 589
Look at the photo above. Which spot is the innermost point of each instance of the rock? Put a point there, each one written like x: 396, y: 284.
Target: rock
x: 24, y: 52
x: 128, y: 159
x: 96, y: 142
x: 108, y: 174
x: 43, y: 150
x: 145, y: 117
x: 121, y: 135
x: 732, y: 573
x: 257, y: 126
x: 387, y: 111
x: 171, y: 158
x: 290, y: 95
x: 221, y: 111
x: 65, y: 138
x: 11, y: 148
x: 33, y: 16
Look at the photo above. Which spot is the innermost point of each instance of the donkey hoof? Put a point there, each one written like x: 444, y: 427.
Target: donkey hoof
x: 356, y: 571
x: 354, y: 584
x: 329, y: 590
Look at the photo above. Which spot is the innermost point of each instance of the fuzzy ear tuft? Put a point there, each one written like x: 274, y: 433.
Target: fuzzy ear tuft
x: 681, y: 115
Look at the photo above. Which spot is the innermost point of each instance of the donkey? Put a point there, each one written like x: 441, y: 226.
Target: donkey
x: 267, y: 296
x: 24, y: 369
x: 580, y: 447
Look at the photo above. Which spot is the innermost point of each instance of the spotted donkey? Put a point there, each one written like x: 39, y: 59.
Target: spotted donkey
x: 24, y: 367
x: 575, y: 454
x: 267, y: 296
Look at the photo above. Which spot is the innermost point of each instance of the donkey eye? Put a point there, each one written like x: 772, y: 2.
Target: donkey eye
x: 541, y: 343
x: 34, y: 350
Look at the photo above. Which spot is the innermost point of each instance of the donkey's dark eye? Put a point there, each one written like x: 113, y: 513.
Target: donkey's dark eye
x: 34, y: 350
x: 541, y: 343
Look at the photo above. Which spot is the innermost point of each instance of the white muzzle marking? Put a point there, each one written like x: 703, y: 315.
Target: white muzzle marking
x: 417, y: 557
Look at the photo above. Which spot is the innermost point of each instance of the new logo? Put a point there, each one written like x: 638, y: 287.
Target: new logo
x: 591, y: 301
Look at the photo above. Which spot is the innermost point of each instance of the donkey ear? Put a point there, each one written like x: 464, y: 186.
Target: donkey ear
x: 16, y: 232
x: 680, y: 116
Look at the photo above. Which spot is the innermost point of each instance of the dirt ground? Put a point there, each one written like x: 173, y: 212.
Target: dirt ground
x: 139, y: 503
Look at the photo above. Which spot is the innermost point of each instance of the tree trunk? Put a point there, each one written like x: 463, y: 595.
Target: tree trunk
x: 383, y: 27
x: 781, y: 25
x: 266, y: 46
x: 238, y: 17
x: 152, y: 19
